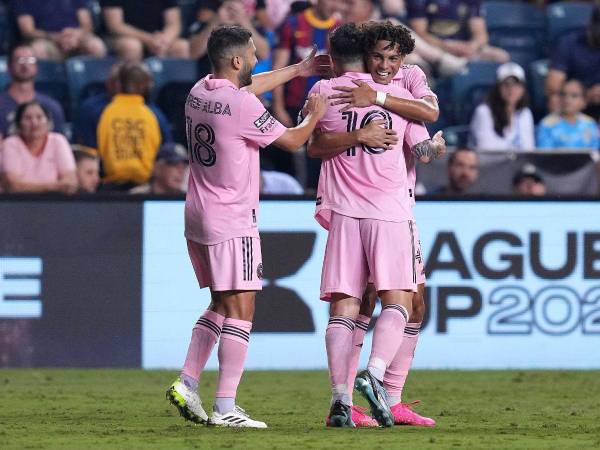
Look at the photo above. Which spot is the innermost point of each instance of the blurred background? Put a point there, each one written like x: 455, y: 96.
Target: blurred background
x: 92, y: 254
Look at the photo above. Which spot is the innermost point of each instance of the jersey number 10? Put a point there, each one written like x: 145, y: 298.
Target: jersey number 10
x: 351, y: 118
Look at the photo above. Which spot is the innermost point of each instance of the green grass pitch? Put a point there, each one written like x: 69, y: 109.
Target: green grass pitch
x: 97, y: 409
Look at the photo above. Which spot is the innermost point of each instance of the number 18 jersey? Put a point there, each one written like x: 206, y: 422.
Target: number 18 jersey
x: 364, y: 182
x: 225, y: 127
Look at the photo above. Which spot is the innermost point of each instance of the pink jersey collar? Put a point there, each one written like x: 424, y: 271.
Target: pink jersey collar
x: 217, y: 83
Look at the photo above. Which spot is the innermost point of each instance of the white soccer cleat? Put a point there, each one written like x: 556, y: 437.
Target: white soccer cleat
x: 236, y: 418
x: 187, y: 402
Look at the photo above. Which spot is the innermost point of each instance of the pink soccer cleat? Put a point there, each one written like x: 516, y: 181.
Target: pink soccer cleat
x: 361, y: 418
x: 404, y: 415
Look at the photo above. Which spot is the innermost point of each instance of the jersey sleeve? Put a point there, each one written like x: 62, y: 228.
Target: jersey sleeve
x: 415, y: 134
x: 416, y: 83
x: 257, y: 124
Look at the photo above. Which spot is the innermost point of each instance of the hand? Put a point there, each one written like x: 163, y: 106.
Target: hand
x: 316, y: 104
x: 66, y: 186
x: 376, y: 136
x: 459, y: 48
x: 358, y: 97
x: 159, y: 44
x: 315, y: 65
x: 439, y: 144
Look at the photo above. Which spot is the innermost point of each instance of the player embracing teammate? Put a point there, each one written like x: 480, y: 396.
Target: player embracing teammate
x: 365, y: 200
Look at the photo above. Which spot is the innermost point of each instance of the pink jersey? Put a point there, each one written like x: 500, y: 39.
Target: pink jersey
x: 363, y: 182
x: 413, y: 79
x: 225, y: 127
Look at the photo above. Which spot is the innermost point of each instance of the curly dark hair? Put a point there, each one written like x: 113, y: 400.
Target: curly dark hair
x: 346, y: 43
x: 386, y: 31
x: 498, y: 108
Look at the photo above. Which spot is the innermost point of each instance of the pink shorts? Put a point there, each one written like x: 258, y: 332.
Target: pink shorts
x: 359, y: 250
x: 419, y: 257
x: 233, y: 265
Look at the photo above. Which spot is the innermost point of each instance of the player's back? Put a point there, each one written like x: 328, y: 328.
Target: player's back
x: 225, y: 127
x: 363, y: 182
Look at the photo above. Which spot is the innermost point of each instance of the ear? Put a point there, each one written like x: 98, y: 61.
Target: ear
x: 237, y: 62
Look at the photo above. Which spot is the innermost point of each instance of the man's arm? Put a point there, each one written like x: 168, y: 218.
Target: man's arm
x: 327, y: 145
x: 28, y: 30
x: 309, y: 66
x: 172, y: 28
x: 84, y: 17
x: 425, y: 109
x: 293, y: 138
x: 430, y: 149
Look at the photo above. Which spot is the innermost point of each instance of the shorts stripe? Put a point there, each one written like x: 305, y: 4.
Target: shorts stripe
x: 412, y: 245
x: 244, y: 258
x: 250, y: 271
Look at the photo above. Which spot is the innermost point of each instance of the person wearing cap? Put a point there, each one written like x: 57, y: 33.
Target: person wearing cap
x: 528, y: 181
x: 570, y: 129
x: 504, y: 121
x: 169, y: 172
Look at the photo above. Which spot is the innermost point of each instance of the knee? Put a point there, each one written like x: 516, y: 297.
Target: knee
x: 129, y: 49
x: 180, y: 49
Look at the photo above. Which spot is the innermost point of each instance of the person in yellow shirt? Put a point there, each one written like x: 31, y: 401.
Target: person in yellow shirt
x: 129, y: 134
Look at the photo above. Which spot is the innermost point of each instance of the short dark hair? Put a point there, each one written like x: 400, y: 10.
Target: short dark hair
x: 346, y: 43
x: 386, y: 31
x: 81, y: 154
x: 223, y: 39
x: 23, y: 106
x: 17, y: 45
x: 452, y: 156
x: 135, y: 78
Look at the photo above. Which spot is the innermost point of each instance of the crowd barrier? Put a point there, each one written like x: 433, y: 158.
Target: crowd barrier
x: 107, y: 283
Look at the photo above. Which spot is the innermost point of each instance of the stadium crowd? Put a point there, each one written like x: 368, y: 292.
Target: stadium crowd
x: 93, y: 90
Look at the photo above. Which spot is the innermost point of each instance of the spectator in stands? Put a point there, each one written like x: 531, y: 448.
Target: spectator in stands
x: 577, y: 56
x: 36, y: 159
x: 528, y: 181
x: 273, y: 182
x: 425, y: 55
x: 58, y: 29
x: 139, y: 26
x: 570, y: 129
x: 22, y: 67
x: 213, y: 13
x: 252, y: 9
x: 129, y: 133
x: 88, y: 171
x: 463, y: 171
x: 169, y: 172
x: 296, y: 38
x: 504, y: 121
x: 455, y: 26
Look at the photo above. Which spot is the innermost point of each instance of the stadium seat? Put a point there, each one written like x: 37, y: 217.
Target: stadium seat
x: 537, y: 77
x: 52, y: 81
x: 470, y: 87
x: 173, y: 79
x: 565, y: 17
x: 4, y: 76
x: 86, y: 77
x: 516, y: 27
x: 169, y: 72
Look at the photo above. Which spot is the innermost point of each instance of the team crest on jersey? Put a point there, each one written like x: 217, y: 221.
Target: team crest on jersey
x: 259, y: 271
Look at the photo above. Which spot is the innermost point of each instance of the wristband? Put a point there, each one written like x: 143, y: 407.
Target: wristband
x: 380, y: 99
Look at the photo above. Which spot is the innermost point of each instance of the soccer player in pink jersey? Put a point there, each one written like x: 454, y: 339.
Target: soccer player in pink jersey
x: 226, y: 125
x: 424, y: 108
x: 363, y: 201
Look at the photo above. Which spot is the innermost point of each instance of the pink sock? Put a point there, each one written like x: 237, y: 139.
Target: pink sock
x: 360, y: 330
x: 397, y: 371
x: 387, y: 338
x: 204, y: 337
x: 232, y: 355
x: 338, y: 341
